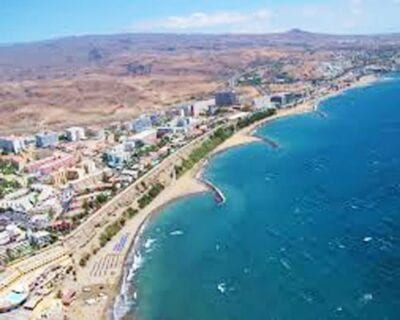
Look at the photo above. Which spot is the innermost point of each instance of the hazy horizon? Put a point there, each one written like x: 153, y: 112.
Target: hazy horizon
x: 6, y: 44
x: 30, y: 21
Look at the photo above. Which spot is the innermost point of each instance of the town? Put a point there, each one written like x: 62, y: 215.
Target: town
x: 64, y: 195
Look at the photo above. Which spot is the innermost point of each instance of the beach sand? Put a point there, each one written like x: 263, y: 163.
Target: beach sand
x: 186, y: 185
x: 189, y: 184
x: 110, y: 277
x: 246, y: 136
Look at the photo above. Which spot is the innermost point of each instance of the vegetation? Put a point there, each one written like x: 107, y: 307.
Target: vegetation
x: 148, y: 197
x: 163, y: 142
x: 115, y: 227
x: 206, y: 147
x: 219, y: 136
x: 85, y: 258
x: 7, y: 168
x: 86, y: 206
x: 145, y: 150
x: 257, y: 116
x: 253, y: 79
x: 8, y: 186
x: 130, y: 213
x: 79, y: 217
x: 101, y: 199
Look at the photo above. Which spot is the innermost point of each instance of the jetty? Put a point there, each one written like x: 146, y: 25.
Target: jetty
x: 268, y: 141
x: 321, y: 113
x: 218, y: 194
x: 273, y: 144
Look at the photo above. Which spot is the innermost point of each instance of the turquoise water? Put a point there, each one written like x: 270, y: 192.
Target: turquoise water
x: 310, y: 230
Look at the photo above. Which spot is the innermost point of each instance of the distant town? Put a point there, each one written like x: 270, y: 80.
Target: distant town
x: 65, y: 194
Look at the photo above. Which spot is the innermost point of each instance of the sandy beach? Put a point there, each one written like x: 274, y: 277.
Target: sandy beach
x: 111, y: 277
x: 188, y: 184
x: 245, y: 135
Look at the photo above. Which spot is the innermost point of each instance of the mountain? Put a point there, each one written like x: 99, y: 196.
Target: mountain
x: 101, y: 78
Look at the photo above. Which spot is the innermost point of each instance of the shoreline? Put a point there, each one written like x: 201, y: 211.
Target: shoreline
x: 191, y: 182
x: 246, y: 135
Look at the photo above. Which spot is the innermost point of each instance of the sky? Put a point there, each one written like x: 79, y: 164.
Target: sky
x: 31, y: 20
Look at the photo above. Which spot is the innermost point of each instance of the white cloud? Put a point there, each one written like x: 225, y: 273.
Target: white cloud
x: 331, y: 16
x: 207, y: 21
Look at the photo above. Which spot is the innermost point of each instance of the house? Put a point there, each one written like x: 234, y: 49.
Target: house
x: 140, y: 124
x: 40, y: 221
x: 156, y: 119
x: 4, y: 237
x: 12, y: 144
x: 226, y: 98
x: 51, y: 164
x: 17, y: 161
x: 68, y: 297
x: 201, y: 107
x: 185, y: 124
x: 277, y: 101
x: 145, y: 137
x: 46, y: 139
x: 262, y: 102
x: 96, y: 133
x: 61, y: 225
x: 285, y: 99
x: 165, y: 131
x: 40, y: 238
x: 75, y: 134
x: 116, y: 156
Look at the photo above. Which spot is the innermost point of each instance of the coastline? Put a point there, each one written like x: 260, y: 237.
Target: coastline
x: 190, y: 183
x: 246, y: 136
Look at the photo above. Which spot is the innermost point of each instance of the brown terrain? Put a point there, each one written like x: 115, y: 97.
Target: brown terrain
x: 99, y: 79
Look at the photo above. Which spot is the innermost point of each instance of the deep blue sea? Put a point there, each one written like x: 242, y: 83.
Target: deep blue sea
x: 310, y: 230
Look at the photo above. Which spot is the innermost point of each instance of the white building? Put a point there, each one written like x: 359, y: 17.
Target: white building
x: 117, y: 156
x: 4, y: 237
x: 41, y: 199
x: 75, y: 133
x: 40, y: 221
x: 200, y: 107
x: 12, y: 144
x: 263, y: 102
x: 40, y: 237
x: 145, y: 137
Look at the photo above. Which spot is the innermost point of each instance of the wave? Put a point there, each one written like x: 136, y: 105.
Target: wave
x: 221, y: 287
x: 176, y: 233
x: 148, y: 245
x: 123, y: 302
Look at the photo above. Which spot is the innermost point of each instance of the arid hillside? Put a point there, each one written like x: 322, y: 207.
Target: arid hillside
x: 99, y: 79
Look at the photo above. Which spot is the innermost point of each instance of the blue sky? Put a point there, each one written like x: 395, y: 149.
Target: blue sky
x: 28, y: 20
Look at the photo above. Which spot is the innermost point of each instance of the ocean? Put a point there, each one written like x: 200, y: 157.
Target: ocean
x: 310, y: 230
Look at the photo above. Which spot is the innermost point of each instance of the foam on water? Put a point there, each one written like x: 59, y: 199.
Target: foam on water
x: 176, y: 233
x: 123, y: 301
x: 148, y: 245
x: 221, y: 287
